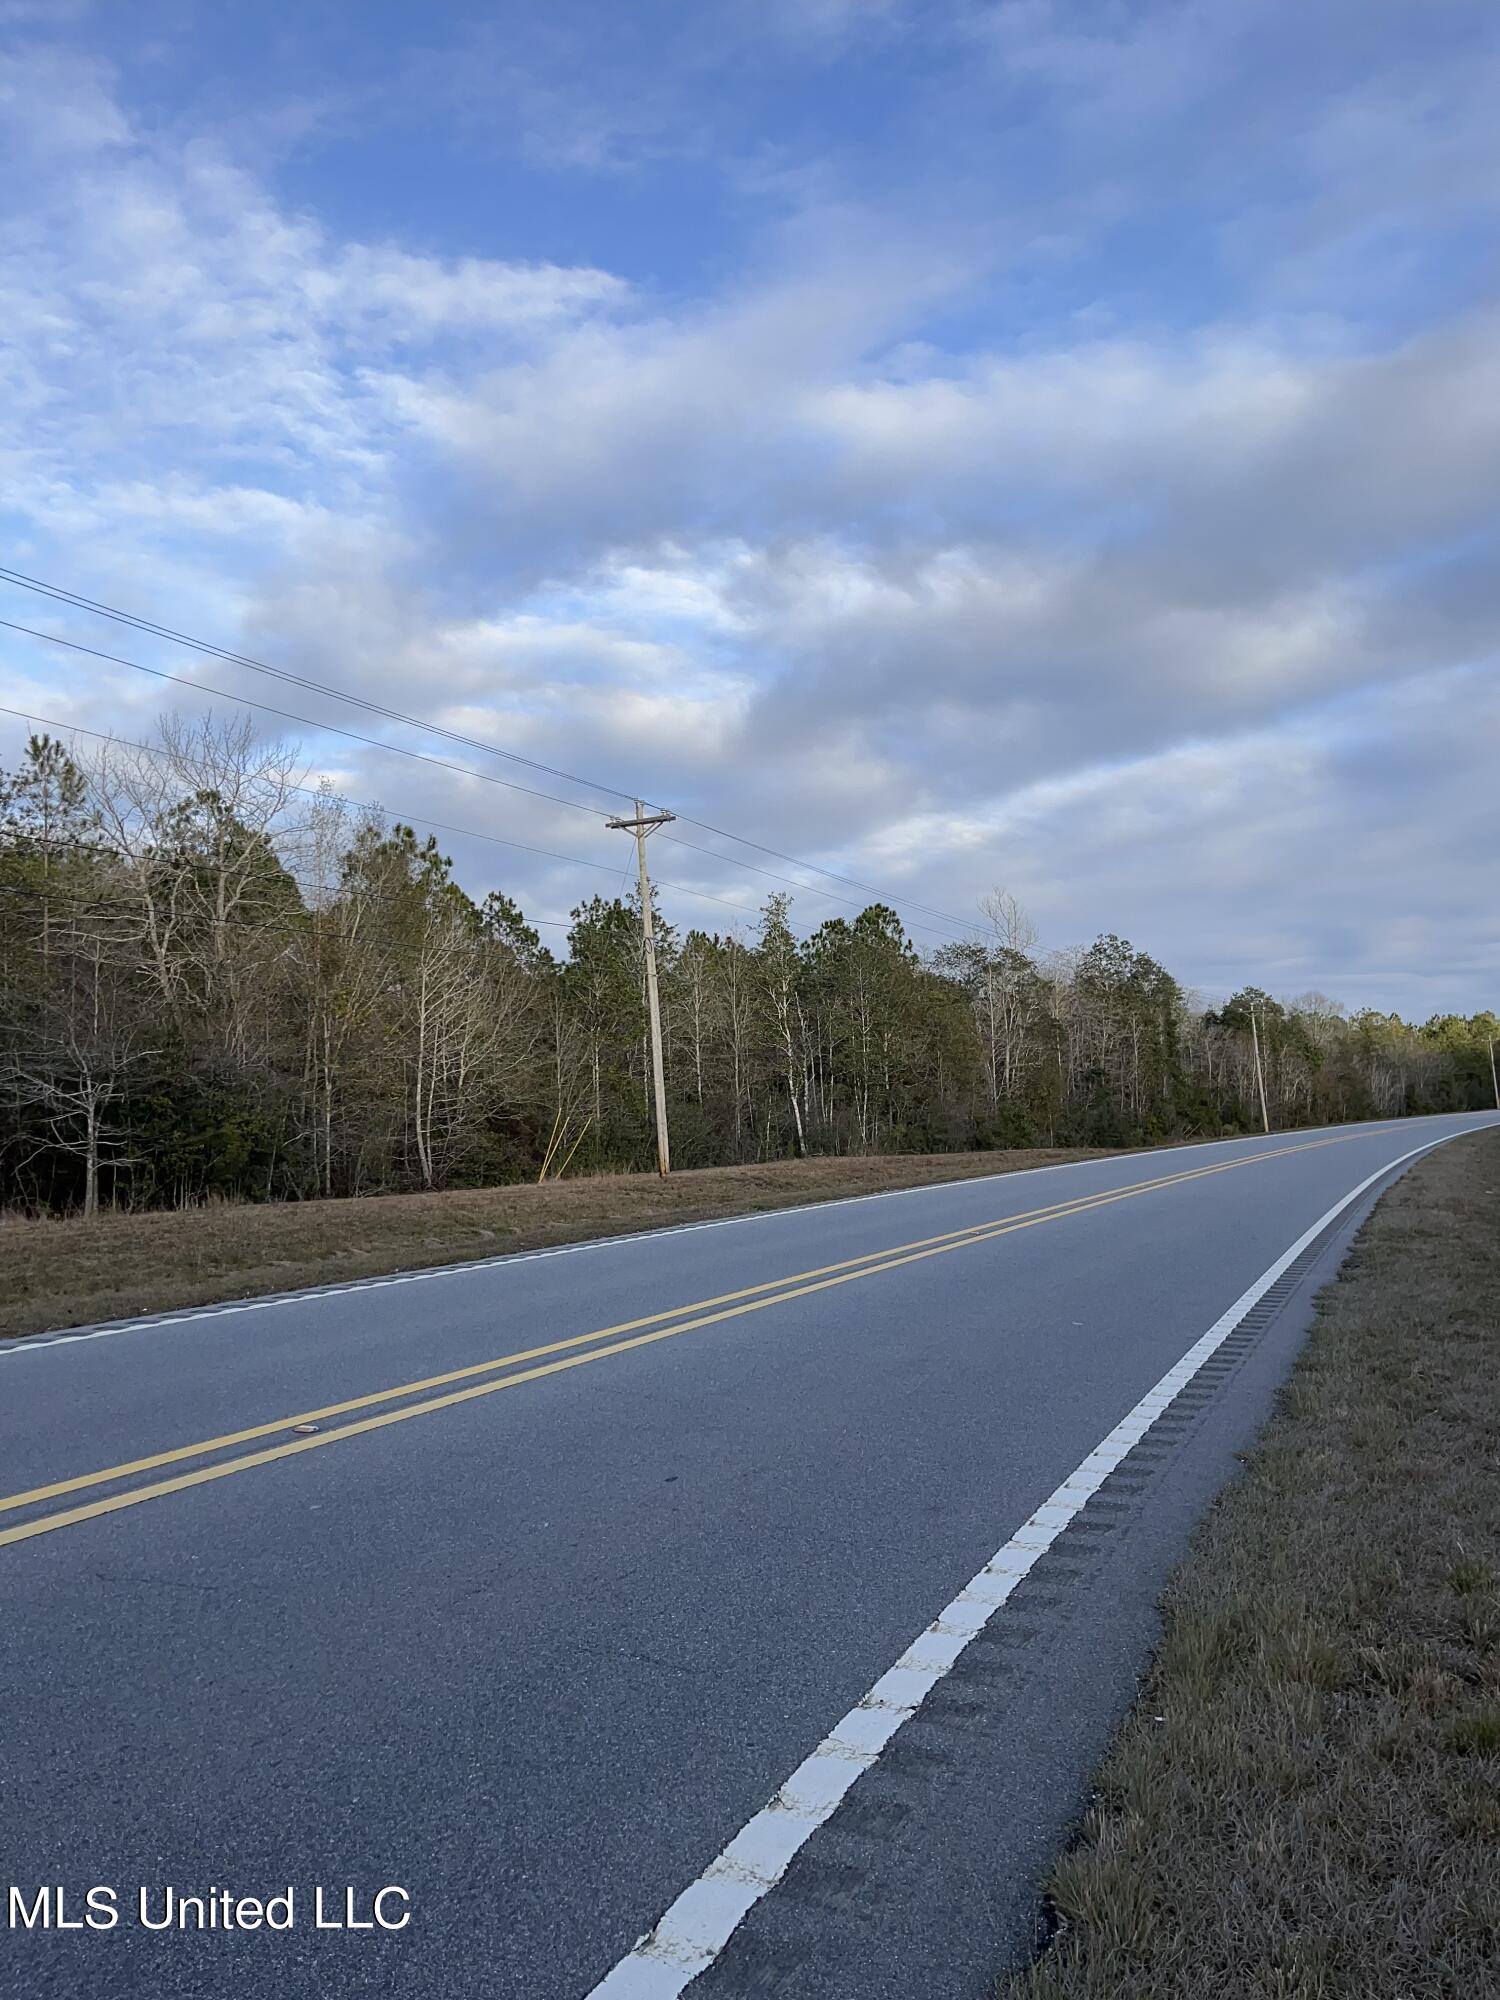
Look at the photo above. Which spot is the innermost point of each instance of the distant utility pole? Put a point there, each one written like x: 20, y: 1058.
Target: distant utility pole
x: 640, y: 826
x: 1260, y: 1075
x: 1494, y: 1083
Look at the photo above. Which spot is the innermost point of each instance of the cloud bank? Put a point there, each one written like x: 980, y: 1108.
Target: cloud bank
x: 1075, y: 467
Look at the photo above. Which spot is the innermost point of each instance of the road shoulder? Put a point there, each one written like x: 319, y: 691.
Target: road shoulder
x: 56, y: 1274
x: 1306, y: 1797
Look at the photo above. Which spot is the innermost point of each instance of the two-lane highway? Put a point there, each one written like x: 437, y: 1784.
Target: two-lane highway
x: 532, y: 1587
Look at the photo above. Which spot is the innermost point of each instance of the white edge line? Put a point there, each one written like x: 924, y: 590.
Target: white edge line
x: 37, y: 1343
x: 698, y: 1925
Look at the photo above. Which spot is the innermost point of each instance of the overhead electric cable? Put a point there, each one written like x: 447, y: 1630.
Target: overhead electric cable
x: 396, y: 749
x: 824, y: 895
x: 95, y: 606
x: 286, y: 715
x: 297, y: 680
x: 851, y: 881
x: 420, y: 819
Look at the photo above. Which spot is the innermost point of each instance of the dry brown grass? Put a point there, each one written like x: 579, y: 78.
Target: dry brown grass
x: 60, y: 1274
x: 1306, y: 1801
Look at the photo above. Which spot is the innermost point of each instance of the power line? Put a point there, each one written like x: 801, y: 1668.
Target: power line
x: 824, y: 895
x: 286, y: 715
x: 396, y: 749
x: 367, y: 805
x: 297, y: 680
x: 74, y: 598
x: 852, y: 881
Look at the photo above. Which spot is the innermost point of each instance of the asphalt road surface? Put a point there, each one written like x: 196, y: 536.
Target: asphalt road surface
x: 536, y: 1643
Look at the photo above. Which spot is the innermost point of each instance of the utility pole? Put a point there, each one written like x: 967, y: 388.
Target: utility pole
x: 640, y: 826
x: 1260, y: 1075
x: 1494, y: 1082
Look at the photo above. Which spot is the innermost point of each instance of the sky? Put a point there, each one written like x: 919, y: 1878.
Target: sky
x: 1040, y: 444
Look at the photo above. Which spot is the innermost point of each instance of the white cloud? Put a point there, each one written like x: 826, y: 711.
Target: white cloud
x: 1157, y: 624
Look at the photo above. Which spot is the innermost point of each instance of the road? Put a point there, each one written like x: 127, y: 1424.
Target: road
x: 536, y: 1642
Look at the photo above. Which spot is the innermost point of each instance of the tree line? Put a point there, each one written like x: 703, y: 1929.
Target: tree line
x: 215, y: 983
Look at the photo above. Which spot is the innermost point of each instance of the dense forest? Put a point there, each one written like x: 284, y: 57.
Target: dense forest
x: 214, y: 983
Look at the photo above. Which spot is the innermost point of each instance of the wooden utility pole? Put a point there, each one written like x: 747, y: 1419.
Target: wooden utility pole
x: 1494, y: 1081
x: 1260, y: 1075
x: 640, y: 826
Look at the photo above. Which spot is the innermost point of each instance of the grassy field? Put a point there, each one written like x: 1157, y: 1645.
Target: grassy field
x: 1305, y: 1802
x: 60, y: 1274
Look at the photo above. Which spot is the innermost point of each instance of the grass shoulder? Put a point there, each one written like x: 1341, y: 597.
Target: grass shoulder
x: 63, y: 1273
x: 1305, y: 1801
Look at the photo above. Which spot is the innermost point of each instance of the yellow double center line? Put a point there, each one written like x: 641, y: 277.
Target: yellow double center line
x: 682, y: 1319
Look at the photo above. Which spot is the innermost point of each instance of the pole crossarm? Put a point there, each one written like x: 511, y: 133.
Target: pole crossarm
x: 642, y: 823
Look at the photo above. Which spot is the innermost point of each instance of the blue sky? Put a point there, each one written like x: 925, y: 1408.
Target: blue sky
x: 993, y: 442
